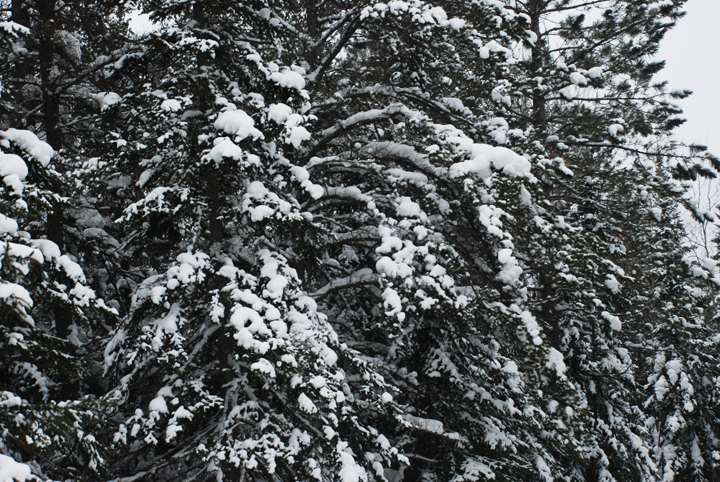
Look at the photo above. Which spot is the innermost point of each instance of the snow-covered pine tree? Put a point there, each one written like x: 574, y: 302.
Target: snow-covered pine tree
x: 419, y: 274
x: 57, y: 75
x: 223, y: 366
x: 385, y: 241
x: 48, y: 415
x: 589, y: 97
x: 600, y: 114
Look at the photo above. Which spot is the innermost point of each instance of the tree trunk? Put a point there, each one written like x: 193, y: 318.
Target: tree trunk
x: 51, y: 119
x: 535, y: 9
x: 46, y: 55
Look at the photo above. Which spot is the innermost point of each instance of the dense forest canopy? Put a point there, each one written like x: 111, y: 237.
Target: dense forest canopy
x: 350, y: 241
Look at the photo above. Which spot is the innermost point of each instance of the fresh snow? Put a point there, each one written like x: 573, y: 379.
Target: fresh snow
x: 484, y: 156
x: 10, y: 469
x: 12, y: 165
x: 288, y: 79
x: 30, y: 143
x: 237, y: 123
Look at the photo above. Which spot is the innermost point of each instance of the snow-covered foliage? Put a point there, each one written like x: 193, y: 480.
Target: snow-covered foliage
x: 365, y: 241
x: 40, y: 288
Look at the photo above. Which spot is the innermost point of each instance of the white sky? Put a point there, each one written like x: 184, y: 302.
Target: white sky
x: 692, y: 52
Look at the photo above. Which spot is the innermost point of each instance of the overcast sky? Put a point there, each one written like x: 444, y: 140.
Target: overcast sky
x: 692, y: 52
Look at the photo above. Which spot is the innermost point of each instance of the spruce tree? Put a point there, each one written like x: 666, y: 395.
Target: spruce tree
x: 50, y: 414
x: 604, y: 123
x: 362, y: 241
x: 223, y: 366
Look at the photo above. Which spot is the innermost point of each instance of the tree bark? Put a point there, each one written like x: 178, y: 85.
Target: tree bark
x: 535, y: 9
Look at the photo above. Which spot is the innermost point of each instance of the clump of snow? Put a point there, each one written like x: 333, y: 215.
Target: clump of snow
x: 276, y: 286
x: 525, y: 196
x: 612, y: 284
x: 615, y: 323
x: 566, y: 92
x: 71, y: 268
x: 578, y: 79
x: 17, y: 292
x: 511, y: 272
x: 257, y: 189
x: 11, y: 470
x: 158, y: 404
x: 298, y: 135
x: 557, y: 361
x: 10, y: 165
x: 351, y: 471
x: 394, y: 303
x: 531, y: 36
x: 408, y: 208
x: 456, y: 23
x: 484, y: 155
x: 224, y: 147
x: 661, y: 388
x: 264, y: 366
x: 237, y: 123
x: 306, y: 404
x: 48, y: 248
x: 532, y: 327
x: 108, y: 99
x: 595, y: 72
x: 171, y: 105
x: 12, y: 27
x: 303, y: 176
x: 504, y: 255
x: 279, y: 113
x: 510, y: 367
x: 166, y: 326
x: 261, y: 212
x: 288, y: 79
x: 29, y: 142
x: 300, y: 173
x: 7, y: 225
x: 616, y: 129
x: 656, y: 212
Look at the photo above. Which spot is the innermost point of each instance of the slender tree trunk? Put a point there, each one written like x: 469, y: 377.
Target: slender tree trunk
x: 19, y: 10
x: 214, y: 185
x: 547, y: 310
x: 535, y: 9
x: 313, y: 25
x: 312, y: 54
x: 46, y: 54
x: 47, y: 27
x: 51, y: 104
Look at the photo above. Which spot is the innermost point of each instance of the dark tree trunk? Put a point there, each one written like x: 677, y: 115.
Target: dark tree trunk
x: 535, y: 9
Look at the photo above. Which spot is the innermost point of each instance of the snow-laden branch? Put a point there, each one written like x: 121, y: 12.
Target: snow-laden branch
x: 355, y: 120
x: 364, y: 276
x: 388, y: 149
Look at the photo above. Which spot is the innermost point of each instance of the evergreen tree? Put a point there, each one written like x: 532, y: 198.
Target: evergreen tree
x: 49, y: 416
x: 356, y: 241
x: 590, y: 97
x: 223, y: 366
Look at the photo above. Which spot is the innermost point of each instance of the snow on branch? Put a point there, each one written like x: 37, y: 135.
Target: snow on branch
x: 364, y: 276
x: 355, y: 120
